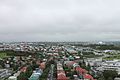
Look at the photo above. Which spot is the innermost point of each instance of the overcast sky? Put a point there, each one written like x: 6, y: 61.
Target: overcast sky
x: 59, y: 20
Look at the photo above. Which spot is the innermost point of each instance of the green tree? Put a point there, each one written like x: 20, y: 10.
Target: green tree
x: 109, y: 74
x: 22, y: 76
x: 88, y: 67
x: 29, y: 71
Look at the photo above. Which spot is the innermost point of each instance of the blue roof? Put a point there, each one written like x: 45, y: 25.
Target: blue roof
x: 34, y: 77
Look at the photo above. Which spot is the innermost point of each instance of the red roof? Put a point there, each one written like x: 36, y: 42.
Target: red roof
x: 60, y: 72
x: 80, y: 70
x: 83, y: 72
x: 70, y: 63
x: 23, y: 69
x: 61, y: 76
x: 42, y: 65
x: 87, y: 76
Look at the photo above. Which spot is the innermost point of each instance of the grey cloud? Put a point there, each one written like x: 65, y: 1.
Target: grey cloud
x: 62, y: 20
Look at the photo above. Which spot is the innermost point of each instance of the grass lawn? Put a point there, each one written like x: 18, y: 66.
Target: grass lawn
x: 3, y: 55
x: 112, y: 57
x: 92, y: 56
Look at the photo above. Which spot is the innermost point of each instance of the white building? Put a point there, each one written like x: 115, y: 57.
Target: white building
x: 12, y: 78
x: 110, y: 65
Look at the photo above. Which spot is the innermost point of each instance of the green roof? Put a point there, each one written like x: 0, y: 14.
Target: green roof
x: 70, y: 57
x: 34, y: 77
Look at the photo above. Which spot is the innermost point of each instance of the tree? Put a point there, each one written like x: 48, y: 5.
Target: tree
x: 22, y: 76
x: 99, y: 76
x: 29, y: 71
x: 88, y: 67
x: 34, y: 65
x: 110, y: 74
x: 14, y: 66
x: 83, y: 65
x: 110, y: 78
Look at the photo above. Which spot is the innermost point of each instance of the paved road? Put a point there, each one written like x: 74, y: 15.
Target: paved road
x: 50, y: 74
